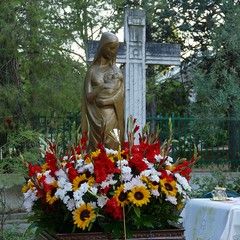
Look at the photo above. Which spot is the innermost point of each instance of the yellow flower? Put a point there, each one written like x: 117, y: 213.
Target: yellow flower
x: 150, y: 184
x: 168, y: 187
x: 179, y: 206
x: 80, y: 180
x: 30, y: 185
x: 25, y: 189
x: 84, y: 215
x: 170, y: 167
x: 95, y: 154
x: 121, y: 196
x: 139, y: 195
x: 88, y: 160
x: 50, y: 197
x: 45, y: 167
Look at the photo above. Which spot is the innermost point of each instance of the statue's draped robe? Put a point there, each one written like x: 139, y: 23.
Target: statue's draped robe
x: 95, y: 118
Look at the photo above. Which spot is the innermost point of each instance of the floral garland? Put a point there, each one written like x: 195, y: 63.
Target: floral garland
x: 107, y: 189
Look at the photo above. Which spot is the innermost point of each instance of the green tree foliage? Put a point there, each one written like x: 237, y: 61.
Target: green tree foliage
x: 42, y: 61
x: 216, y: 82
x: 171, y: 96
x: 42, y: 58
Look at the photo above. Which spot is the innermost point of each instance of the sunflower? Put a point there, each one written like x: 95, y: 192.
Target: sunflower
x: 139, y: 195
x: 121, y: 196
x: 150, y: 184
x: 80, y: 180
x: 50, y: 197
x: 84, y: 215
x: 168, y: 187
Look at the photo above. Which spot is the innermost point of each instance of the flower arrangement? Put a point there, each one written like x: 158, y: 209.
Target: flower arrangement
x: 116, y: 191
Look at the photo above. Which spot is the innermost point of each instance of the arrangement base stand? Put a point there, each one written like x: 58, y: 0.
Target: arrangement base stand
x: 170, y: 234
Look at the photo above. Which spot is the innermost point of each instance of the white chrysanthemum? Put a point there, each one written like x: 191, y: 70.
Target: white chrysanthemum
x: 149, y: 164
x: 122, y: 163
x: 28, y: 204
x: 126, y: 173
x: 68, y: 186
x: 61, y: 182
x: 77, y: 195
x: 29, y: 198
x: 155, y: 178
x: 65, y: 158
x: 93, y: 204
x: 168, y: 163
x: 89, y: 167
x: 66, y: 199
x: 158, y: 157
x: 84, y: 188
x: 60, y: 193
x: 79, y: 163
x: 180, y: 189
x: 155, y: 193
x: 49, y: 179
x: 171, y: 199
x: 61, y: 174
x: 111, y: 151
x: 133, y: 183
x: 109, y: 181
x: 94, y: 190
x: 79, y: 203
x: 71, y: 204
x: 183, y: 181
x: 152, y: 174
x: 101, y: 201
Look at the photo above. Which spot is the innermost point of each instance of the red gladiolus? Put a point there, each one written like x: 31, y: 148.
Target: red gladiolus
x: 103, y: 166
x: 137, y: 163
x: 72, y: 172
x: 33, y: 170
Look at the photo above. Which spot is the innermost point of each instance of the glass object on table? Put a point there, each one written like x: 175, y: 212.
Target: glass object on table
x: 219, y: 193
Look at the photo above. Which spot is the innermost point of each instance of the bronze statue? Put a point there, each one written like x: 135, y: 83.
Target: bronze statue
x: 103, y: 101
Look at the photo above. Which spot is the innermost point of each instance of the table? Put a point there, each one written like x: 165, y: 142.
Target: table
x: 205, y: 219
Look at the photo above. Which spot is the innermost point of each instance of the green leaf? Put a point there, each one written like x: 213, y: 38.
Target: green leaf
x: 137, y: 211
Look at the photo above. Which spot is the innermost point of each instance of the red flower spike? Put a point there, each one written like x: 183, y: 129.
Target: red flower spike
x: 33, y: 170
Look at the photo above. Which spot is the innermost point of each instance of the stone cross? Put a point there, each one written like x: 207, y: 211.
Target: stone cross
x: 136, y: 53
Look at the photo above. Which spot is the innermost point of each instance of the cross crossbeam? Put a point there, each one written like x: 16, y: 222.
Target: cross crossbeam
x: 135, y: 53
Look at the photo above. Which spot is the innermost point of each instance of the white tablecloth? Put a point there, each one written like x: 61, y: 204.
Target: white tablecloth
x: 204, y: 219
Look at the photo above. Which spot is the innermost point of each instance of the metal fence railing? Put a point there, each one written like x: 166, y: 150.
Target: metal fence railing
x: 61, y: 128
x: 217, y: 139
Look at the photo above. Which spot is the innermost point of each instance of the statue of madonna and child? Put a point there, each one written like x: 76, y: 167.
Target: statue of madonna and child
x: 103, y: 96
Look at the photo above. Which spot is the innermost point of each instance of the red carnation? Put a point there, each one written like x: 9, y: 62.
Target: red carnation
x: 114, y: 209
